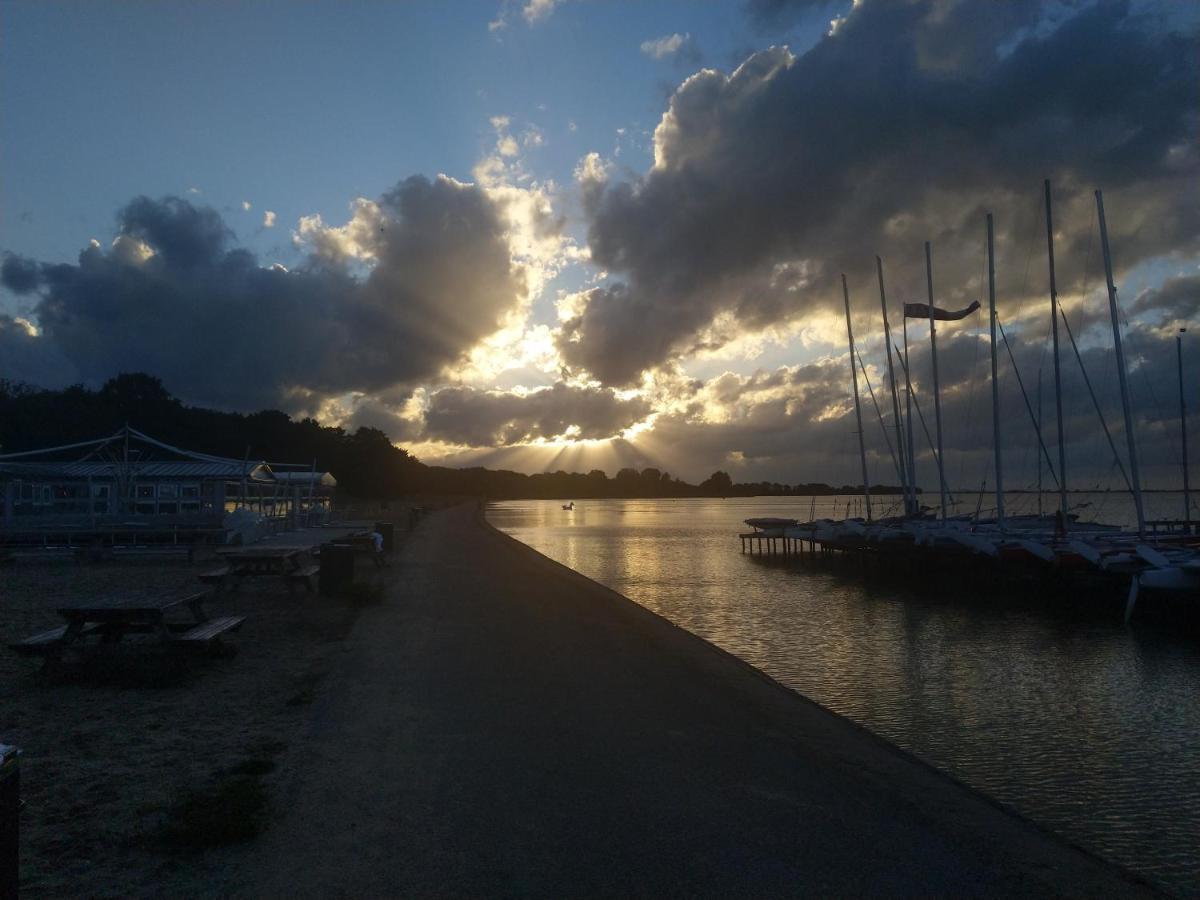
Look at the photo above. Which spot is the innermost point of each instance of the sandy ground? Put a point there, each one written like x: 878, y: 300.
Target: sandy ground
x: 500, y: 726
x: 110, y: 751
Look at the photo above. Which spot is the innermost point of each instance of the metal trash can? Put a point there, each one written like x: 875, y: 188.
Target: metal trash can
x: 337, y: 568
x: 388, y: 530
x: 10, y: 823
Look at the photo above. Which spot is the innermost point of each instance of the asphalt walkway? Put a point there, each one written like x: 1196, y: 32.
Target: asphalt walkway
x: 501, y: 726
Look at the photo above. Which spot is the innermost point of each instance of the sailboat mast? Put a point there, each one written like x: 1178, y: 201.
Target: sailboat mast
x: 937, y: 397
x: 862, y: 448
x: 1058, y: 403
x: 1187, y: 498
x: 908, y: 410
x: 1121, y: 375
x: 1039, y: 428
x: 887, y: 340
x: 995, y: 378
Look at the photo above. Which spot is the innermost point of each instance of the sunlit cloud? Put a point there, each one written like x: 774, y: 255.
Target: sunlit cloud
x: 668, y: 46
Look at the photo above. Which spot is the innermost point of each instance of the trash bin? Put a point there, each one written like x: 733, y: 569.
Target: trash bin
x: 337, y: 568
x: 388, y: 530
x: 10, y: 829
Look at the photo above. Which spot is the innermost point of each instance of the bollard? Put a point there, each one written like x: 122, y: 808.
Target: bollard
x: 10, y: 809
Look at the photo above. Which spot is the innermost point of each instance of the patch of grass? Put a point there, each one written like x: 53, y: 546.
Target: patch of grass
x: 230, y: 812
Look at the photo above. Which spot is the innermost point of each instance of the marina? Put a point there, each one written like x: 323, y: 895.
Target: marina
x: 1155, y: 556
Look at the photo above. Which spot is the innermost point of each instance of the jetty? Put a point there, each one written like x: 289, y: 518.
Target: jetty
x: 509, y: 727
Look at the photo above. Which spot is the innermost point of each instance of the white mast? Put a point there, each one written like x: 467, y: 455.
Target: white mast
x: 1058, y: 403
x: 862, y: 449
x: 909, y: 504
x: 937, y: 398
x: 995, y: 379
x: 1125, y: 408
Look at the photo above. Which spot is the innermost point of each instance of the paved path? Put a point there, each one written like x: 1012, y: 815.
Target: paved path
x: 503, y: 727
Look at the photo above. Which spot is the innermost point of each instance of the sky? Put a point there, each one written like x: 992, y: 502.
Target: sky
x: 573, y: 234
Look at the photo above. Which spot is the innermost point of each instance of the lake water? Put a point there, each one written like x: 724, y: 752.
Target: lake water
x: 1087, y: 727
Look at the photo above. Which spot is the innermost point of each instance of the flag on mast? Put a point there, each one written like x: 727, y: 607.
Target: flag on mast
x: 921, y: 311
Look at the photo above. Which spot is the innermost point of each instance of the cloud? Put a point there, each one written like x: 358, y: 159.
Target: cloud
x: 477, y: 418
x: 679, y: 46
x: 218, y: 328
x: 796, y: 423
x: 19, y: 275
x: 532, y: 11
x: 535, y: 11
x: 28, y: 358
x: 268, y: 219
x: 1176, y: 299
x: 905, y: 125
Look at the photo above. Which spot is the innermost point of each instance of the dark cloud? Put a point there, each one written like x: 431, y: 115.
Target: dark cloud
x: 376, y: 412
x: 906, y: 124
x: 20, y: 275
x: 174, y: 296
x: 1176, y: 298
x: 463, y: 415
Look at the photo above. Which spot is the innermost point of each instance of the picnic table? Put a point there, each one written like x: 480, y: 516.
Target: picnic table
x: 251, y: 562
x: 361, y: 542
x: 108, y: 622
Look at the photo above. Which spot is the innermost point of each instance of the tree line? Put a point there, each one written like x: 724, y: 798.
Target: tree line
x: 365, y: 462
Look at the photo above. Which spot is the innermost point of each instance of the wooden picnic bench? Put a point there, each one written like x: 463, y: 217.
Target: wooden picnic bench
x: 306, y: 575
x: 278, y: 562
x: 362, y: 542
x: 112, y: 622
x: 38, y: 644
x: 216, y: 577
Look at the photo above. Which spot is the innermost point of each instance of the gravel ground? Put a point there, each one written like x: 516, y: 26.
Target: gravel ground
x: 119, y: 756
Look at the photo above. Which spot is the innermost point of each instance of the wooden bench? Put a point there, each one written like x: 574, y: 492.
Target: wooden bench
x: 306, y: 574
x: 47, y: 642
x: 208, y: 634
x: 216, y: 577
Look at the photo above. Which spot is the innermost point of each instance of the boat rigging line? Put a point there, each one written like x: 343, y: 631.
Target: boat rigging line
x: 879, y: 416
x: 1028, y: 408
x: 912, y: 393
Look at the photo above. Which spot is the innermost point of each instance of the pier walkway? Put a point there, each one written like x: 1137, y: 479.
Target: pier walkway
x: 500, y: 726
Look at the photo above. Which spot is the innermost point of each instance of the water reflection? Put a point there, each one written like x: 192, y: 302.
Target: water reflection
x: 1079, y: 723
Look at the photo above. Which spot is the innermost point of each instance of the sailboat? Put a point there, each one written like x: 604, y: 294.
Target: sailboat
x: 1159, y: 562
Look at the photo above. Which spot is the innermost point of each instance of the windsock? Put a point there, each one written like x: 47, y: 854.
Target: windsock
x: 921, y: 311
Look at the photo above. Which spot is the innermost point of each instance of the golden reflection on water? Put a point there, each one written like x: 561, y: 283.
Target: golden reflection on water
x: 1082, y: 725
